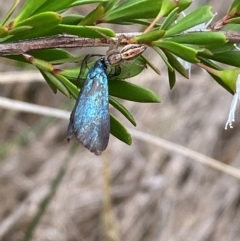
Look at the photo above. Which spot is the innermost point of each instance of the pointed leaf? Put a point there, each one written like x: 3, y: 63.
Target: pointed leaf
x: 54, y: 5
x: 54, y: 83
x: 41, y: 20
x: 163, y: 56
x: 119, y: 131
x: 49, y: 82
x: 93, y: 16
x: 139, y: 9
x: 83, y: 2
x: 169, y: 20
x: 82, y: 31
x: 198, y: 16
x: 176, y: 64
x: 72, y: 19
x: 19, y: 30
x: 201, y: 38
x: 132, y: 92
x: 170, y: 5
x: 71, y: 74
x: 108, y: 5
x: 74, y: 91
x: 29, y: 7
x: 230, y: 58
x: 172, y: 78
x: 50, y: 55
x: 184, y: 52
x: 134, y: 9
x: 39, y: 63
x: 151, y: 65
x: 122, y: 109
x: 41, y: 25
x: 148, y: 37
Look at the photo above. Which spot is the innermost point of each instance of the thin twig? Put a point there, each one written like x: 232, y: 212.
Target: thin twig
x: 72, y: 41
x: 59, y: 41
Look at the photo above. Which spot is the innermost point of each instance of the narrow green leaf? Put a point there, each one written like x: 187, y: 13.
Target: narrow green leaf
x: 50, y: 83
x: 83, y: 2
x: 67, y: 60
x: 93, y: 16
x: 198, y: 16
x: 132, y: 92
x: 39, y: 63
x: 54, y: 83
x: 210, y: 63
x: 229, y: 78
x: 172, y: 78
x: 54, y: 5
x: 41, y: 20
x: 139, y: 9
x: 19, y: 30
x: 134, y: 9
x: 122, y: 109
x: 201, y: 38
x: 151, y: 65
x: 28, y: 9
x: 82, y: 31
x: 184, y: 52
x: 74, y: 91
x: 71, y: 74
x: 168, y: 6
x: 221, y: 48
x: 149, y: 37
x: 108, y: 5
x: 137, y: 21
x: 169, y: 20
x: 41, y: 24
x: 176, y: 64
x: 231, y: 58
x: 51, y: 55
x: 219, y: 80
x: 163, y: 56
x: 119, y: 131
x: 72, y: 19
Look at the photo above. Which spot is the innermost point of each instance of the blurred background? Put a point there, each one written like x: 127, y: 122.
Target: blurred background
x: 157, y: 194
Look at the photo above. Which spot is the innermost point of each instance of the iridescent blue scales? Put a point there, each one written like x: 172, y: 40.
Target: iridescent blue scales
x: 90, y: 120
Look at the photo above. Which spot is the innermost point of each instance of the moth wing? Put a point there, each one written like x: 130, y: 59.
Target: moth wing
x: 89, y: 119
